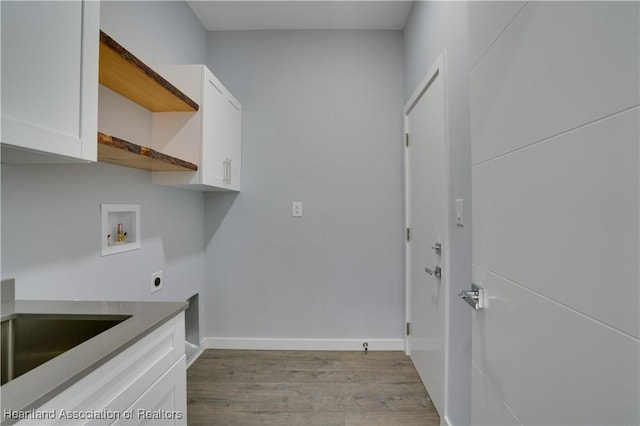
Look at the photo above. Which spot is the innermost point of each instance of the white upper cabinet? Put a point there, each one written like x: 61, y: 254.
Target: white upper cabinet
x: 210, y: 137
x: 213, y: 123
x: 49, y: 80
x: 233, y: 136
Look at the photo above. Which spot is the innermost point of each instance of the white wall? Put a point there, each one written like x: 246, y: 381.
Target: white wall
x: 433, y: 28
x: 555, y: 130
x: 51, y: 213
x: 321, y: 124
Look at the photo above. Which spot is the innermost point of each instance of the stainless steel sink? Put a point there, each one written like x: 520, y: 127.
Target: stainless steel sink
x: 29, y: 340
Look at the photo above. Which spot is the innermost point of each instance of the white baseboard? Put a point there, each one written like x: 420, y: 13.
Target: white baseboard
x: 195, y: 356
x: 304, y: 344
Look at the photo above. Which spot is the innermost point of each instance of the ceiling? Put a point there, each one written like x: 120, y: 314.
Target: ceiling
x: 301, y: 15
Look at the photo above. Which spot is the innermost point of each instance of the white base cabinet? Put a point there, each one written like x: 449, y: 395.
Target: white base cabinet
x: 211, y: 137
x: 49, y: 80
x: 145, y: 384
x: 164, y: 403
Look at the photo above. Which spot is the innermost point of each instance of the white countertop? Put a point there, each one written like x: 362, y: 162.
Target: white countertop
x: 37, y: 386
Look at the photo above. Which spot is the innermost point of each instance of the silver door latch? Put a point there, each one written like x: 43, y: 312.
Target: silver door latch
x: 437, y: 271
x: 476, y: 297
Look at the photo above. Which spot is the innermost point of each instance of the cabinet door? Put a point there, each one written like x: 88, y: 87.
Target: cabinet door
x: 164, y: 403
x: 213, y: 162
x: 233, y: 139
x: 50, y: 77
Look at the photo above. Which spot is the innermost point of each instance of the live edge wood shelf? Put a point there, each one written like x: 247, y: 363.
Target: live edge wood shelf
x: 124, y: 73
x: 118, y: 151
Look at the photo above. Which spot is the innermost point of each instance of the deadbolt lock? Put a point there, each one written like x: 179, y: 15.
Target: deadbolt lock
x: 437, y: 247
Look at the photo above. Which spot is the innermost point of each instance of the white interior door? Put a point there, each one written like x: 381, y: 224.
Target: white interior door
x: 426, y: 217
x: 555, y: 165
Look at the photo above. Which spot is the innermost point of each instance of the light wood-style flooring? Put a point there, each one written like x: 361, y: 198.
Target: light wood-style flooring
x: 231, y: 387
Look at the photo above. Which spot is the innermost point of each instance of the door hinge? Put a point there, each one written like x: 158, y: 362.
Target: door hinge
x: 408, y: 234
x: 408, y: 327
x: 406, y: 139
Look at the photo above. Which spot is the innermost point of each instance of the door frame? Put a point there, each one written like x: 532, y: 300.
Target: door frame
x: 437, y: 70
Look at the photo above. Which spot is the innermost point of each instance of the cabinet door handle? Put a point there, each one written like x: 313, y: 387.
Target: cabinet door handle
x: 229, y: 177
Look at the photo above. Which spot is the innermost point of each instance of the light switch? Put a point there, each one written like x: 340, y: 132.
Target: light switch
x: 459, y: 210
x: 297, y: 209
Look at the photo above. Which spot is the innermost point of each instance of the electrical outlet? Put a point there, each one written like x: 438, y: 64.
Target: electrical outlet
x: 297, y: 209
x: 156, y: 281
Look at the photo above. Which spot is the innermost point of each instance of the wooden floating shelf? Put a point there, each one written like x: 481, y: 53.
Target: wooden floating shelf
x: 124, y: 73
x: 123, y: 153
x: 127, y: 75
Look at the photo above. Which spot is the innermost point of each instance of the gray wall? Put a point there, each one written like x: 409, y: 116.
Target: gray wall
x: 321, y: 125
x: 51, y: 213
x: 433, y: 28
x: 165, y: 32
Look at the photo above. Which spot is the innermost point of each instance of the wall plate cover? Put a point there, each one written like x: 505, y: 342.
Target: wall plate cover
x: 459, y: 212
x: 156, y: 281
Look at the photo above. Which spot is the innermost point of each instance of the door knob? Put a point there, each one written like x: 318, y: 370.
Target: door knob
x: 476, y: 297
x: 437, y: 271
x: 469, y: 294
